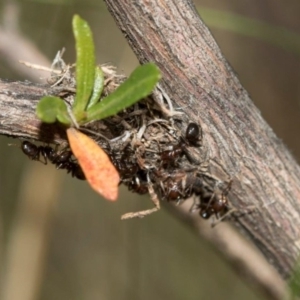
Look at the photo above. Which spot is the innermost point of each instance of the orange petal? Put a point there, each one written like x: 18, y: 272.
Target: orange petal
x: 96, y: 165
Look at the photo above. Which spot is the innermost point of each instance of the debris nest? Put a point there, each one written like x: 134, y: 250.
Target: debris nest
x: 151, y: 152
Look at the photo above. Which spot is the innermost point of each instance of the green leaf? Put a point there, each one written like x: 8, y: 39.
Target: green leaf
x: 98, y: 87
x: 85, y: 66
x: 50, y: 109
x: 139, y: 85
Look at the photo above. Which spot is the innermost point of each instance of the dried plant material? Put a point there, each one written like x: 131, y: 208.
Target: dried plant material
x: 96, y: 165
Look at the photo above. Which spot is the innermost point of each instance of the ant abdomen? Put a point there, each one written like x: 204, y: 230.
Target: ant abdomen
x: 206, y: 213
x: 193, y: 133
x: 62, y: 160
x: 169, y: 156
x: 77, y: 172
x: 30, y: 150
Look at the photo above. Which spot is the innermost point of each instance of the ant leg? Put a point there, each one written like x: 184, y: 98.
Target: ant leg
x: 210, y: 200
x: 38, y: 158
x: 240, y: 213
x: 227, y: 188
x: 195, y: 204
x: 143, y: 213
x: 191, y: 158
x: 219, y: 217
x: 44, y: 151
x: 219, y: 220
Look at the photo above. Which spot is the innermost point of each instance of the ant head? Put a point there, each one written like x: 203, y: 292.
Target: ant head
x: 193, y: 133
x: 205, y: 213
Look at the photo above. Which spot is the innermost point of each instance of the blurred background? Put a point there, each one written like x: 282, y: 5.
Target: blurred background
x: 72, y: 243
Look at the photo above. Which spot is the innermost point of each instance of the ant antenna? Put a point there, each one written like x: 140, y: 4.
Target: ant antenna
x: 219, y: 220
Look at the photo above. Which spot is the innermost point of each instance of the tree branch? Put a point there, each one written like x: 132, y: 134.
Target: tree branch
x: 17, y: 107
x: 240, y: 144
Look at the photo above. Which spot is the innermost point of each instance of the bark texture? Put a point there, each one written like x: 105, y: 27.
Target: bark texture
x: 239, y: 143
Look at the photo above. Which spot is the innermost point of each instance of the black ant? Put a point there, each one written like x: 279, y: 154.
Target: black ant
x: 73, y: 168
x: 34, y: 152
x: 124, y: 165
x: 173, y: 190
x: 138, y: 187
x: 62, y: 160
x: 131, y: 174
x: 192, y: 135
x: 138, y: 183
x: 173, y: 186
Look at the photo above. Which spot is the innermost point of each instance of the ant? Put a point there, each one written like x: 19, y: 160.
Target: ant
x: 192, y: 135
x: 139, y: 184
x: 173, y: 192
x: 131, y: 174
x: 214, y: 204
x: 173, y: 187
x: 154, y: 199
x: 62, y: 160
x: 124, y: 165
x: 34, y: 152
x: 138, y: 187
x: 73, y: 168
x: 169, y: 156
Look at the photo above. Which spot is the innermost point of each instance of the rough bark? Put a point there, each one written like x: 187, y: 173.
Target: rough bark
x: 17, y: 112
x: 240, y: 144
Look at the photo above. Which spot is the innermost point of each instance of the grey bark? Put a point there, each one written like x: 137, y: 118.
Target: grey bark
x: 240, y: 143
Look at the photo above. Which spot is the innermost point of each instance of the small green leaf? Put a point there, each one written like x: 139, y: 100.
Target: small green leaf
x: 139, y: 85
x: 85, y: 65
x: 98, y: 87
x: 50, y: 109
